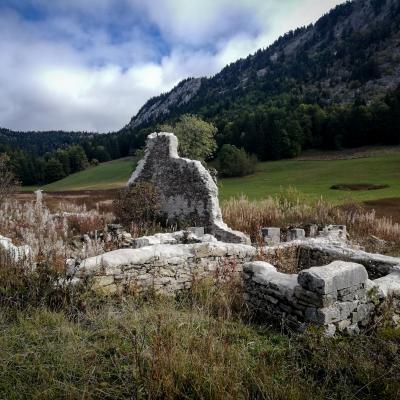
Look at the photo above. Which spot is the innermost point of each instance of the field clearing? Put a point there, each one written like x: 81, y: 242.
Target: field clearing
x: 313, y: 178
x: 109, y: 175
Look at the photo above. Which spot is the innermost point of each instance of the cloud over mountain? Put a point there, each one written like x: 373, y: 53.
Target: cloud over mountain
x: 90, y: 65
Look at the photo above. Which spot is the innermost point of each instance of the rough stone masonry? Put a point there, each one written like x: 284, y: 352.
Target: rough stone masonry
x: 337, y: 296
x: 188, y: 195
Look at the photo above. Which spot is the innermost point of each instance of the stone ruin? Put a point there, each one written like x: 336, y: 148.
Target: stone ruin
x: 333, y: 285
x: 336, y: 286
x: 188, y: 194
x: 329, y: 283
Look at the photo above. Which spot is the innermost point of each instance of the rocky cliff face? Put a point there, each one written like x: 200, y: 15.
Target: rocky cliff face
x: 351, y: 52
x: 160, y: 107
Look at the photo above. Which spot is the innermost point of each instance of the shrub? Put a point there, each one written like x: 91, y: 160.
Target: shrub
x: 137, y: 205
x: 235, y: 162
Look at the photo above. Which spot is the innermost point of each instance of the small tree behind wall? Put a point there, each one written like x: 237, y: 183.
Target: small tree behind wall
x: 196, y: 137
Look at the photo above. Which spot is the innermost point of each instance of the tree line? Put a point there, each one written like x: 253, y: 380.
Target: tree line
x: 269, y: 132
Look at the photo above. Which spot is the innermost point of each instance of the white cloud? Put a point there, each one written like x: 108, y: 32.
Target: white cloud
x: 71, y: 71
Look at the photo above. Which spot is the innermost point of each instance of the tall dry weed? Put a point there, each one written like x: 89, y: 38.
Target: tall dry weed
x: 293, y: 210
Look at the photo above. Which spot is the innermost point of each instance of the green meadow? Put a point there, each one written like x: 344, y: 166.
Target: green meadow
x: 312, y: 178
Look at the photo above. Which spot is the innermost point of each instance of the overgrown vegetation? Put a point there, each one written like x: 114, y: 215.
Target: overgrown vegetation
x: 60, y: 340
x: 290, y: 208
x: 71, y: 343
x: 137, y: 206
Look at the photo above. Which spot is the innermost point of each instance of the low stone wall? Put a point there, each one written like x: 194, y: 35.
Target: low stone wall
x: 13, y: 253
x: 164, y: 268
x: 316, y: 252
x: 337, y: 296
x: 302, y: 254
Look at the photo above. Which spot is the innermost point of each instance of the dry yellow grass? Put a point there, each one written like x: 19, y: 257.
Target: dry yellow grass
x: 290, y: 209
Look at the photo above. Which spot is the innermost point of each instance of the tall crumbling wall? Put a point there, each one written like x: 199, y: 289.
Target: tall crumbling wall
x: 188, y: 194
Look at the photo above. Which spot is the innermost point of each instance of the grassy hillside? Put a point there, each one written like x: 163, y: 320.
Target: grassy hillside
x: 107, y: 175
x: 313, y: 178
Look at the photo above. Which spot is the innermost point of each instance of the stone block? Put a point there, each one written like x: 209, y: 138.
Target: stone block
x: 363, y: 313
x: 352, y: 330
x: 330, y: 330
x: 328, y: 315
x: 342, y: 325
x: 322, y: 316
x: 196, y: 230
x: 346, y: 308
x: 296, y: 234
x: 313, y: 299
x: 336, y: 233
x: 389, y: 284
x: 312, y: 231
x: 333, y: 277
x: 271, y: 236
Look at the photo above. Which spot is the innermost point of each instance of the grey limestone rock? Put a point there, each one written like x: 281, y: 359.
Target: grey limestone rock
x: 333, y: 277
x: 389, y: 284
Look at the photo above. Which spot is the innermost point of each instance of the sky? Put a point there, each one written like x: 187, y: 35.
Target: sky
x: 91, y: 64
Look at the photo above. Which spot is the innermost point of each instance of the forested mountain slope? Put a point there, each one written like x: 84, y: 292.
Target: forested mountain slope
x: 351, y: 53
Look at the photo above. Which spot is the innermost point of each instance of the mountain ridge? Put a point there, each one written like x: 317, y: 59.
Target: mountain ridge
x: 310, y: 56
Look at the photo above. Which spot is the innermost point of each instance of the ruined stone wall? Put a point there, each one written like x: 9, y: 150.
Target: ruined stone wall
x: 188, y: 194
x: 336, y: 296
x: 164, y: 268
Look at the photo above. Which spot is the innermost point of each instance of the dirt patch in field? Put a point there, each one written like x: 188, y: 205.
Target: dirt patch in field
x: 385, y: 207
x: 355, y: 187
x: 92, y: 199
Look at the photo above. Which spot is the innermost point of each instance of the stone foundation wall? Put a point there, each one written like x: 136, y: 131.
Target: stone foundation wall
x: 314, y: 253
x: 302, y: 254
x: 166, y: 269
x: 336, y: 296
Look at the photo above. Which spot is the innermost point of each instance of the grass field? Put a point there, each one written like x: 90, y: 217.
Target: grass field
x: 314, y: 178
x: 107, y: 175
x: 311, y: 177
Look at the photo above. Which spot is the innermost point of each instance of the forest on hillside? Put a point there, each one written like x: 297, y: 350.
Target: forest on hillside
x: 270, y: 132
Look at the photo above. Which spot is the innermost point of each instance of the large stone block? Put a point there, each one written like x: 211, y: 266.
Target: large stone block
x: 276, y: 283
x: 187, y: 192
x: 389, y: 284
x: 333, y: 277
x: 313, y: 299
